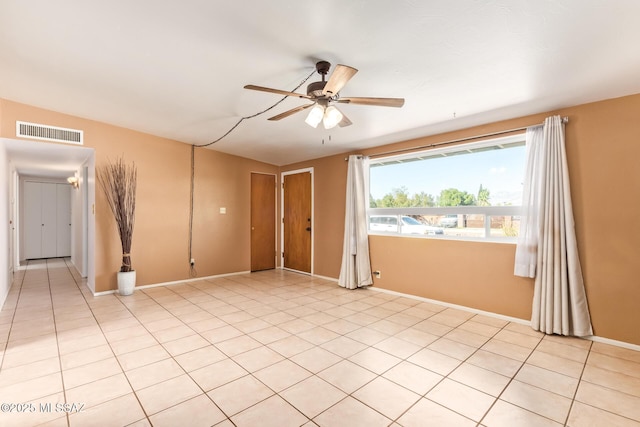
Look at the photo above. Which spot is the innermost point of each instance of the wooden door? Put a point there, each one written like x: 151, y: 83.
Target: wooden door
x: 263, y: 222
x: 297, y: 222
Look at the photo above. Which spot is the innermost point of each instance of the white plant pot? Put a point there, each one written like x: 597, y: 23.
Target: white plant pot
x: 126, y: 282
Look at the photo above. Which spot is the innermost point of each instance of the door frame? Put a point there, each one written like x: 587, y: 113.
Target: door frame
x: 282, y: 248
x: 13, y: 221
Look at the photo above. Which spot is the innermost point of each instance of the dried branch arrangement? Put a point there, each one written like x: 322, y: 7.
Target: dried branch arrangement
x: 118, y: 181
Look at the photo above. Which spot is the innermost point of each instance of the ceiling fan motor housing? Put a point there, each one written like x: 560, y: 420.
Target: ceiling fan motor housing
x: 322, y: 67
x: 315, y: 89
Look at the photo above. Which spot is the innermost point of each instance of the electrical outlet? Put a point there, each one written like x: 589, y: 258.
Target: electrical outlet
x: 377, y: 274
x: 192, y: 262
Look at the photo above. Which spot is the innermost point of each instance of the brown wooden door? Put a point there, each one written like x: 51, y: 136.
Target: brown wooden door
x: 263, y: 222
x: 297, y: 222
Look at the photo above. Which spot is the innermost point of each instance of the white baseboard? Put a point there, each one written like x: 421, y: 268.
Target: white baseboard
x: 176, y: 282
x: 99, y: 294
x: 326, y: 278
x: 594, y: 338
x: 623, y: 344
x: 456, y: 306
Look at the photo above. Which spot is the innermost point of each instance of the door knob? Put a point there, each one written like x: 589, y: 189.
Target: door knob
x: 308, y: 228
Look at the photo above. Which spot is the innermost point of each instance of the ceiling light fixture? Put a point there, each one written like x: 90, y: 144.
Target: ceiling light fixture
x: 332, y: 117
x: 329, y: 115
x: 74, y: 181
x: 315, y: 116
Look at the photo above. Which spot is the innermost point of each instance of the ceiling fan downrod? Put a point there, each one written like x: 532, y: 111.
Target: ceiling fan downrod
x: 315, y: 89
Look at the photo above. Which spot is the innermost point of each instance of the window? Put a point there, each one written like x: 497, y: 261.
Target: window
x: 471, y: 191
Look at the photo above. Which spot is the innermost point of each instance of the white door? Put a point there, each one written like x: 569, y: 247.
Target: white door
x: 50, y: 224
x: 47, y: 214
x: 32, y: 220
x: 63, y: 219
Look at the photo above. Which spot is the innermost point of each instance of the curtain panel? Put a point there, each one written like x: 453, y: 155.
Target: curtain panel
x: 547, y: 249
x: 355, y: 270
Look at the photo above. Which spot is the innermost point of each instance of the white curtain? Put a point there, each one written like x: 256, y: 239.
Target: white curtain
x: 547, y: 247
x: 355, y: 270
x: 526, y: 250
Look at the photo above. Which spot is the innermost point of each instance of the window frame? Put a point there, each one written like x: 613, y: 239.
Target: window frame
x: 486, y: 211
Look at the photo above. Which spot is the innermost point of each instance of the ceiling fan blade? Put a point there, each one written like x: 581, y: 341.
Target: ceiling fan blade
x: 382, y: 102
x: 345, y: 121
x: 278, y: 91
x: 340, y: 76
x: 292, y: 111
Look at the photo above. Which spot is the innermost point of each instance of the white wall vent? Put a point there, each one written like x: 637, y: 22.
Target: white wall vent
x: 49, y: 133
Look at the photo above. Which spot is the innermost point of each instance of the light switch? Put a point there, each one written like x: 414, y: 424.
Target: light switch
x: 223, y: 210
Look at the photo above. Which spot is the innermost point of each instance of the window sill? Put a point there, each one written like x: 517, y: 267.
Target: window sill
x: 503, y: 240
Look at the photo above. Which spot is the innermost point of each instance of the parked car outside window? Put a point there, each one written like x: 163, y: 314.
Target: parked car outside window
x: 407, y: 225
x: 449, y: 221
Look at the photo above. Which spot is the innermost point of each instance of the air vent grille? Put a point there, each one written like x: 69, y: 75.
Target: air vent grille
x: 49, y: 133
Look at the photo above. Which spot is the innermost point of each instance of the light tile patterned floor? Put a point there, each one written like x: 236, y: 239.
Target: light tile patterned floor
x: 281, y: 349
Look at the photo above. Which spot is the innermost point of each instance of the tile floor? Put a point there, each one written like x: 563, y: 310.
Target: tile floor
x: 281, y: 349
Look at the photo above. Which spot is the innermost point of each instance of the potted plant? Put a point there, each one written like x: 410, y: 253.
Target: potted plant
x: 118, y: 182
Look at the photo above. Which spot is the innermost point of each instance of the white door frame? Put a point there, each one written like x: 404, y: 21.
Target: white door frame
x: 313, y: 216
x: 13, y: 219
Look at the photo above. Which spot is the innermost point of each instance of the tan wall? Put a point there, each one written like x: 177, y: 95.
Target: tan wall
x: 222, y: 241
x: 160, y: 241
x: 603, y: 147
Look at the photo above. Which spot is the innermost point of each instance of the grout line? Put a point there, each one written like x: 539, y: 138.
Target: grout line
x: 110, y: 348
x: 171, y: 355
x: 55, y: 330
x: 575, y: 393
x: 524, y: 362
x: 424, y: 396
x: 13, y: 317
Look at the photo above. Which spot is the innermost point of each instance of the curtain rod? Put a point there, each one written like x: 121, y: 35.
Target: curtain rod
x: 565, y: 120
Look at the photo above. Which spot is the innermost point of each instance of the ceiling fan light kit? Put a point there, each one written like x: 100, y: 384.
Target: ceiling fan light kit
x: 332, y: 116
x: 315, y: 116
x: 323, y: 93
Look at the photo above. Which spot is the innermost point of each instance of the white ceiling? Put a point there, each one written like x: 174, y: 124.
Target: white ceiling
x: 177, y: 69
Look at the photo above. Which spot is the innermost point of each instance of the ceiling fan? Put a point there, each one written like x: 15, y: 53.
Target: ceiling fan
x: 324, y: 94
